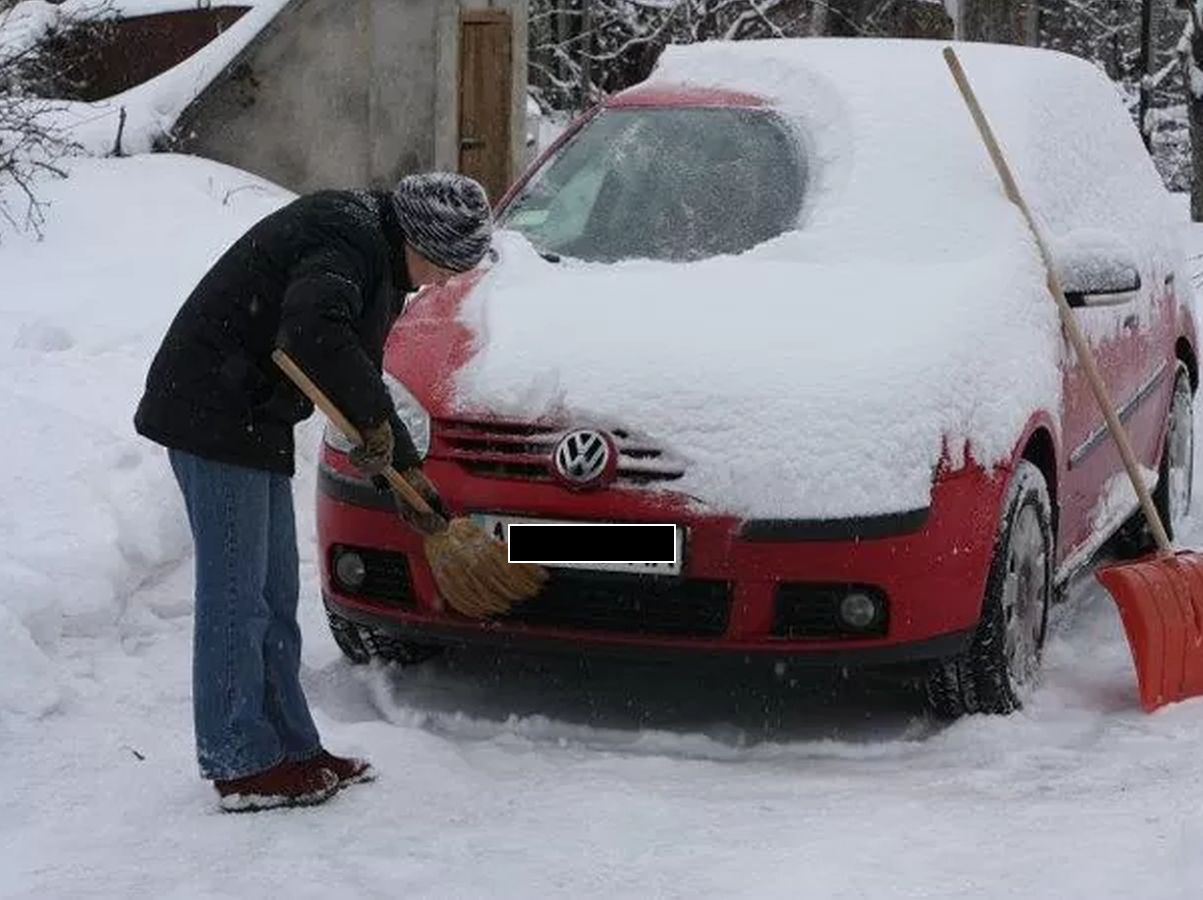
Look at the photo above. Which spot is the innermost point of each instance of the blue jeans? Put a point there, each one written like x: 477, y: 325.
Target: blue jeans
x: 249, y: 709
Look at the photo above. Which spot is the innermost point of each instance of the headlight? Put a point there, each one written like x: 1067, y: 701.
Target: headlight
x: 411, y: 413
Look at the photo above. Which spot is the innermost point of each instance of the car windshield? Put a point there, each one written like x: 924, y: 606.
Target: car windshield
x: 666, y: 184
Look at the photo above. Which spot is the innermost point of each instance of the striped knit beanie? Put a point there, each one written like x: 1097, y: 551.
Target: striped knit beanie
x: 446, y: 218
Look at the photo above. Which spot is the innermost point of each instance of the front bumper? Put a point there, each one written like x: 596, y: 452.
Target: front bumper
x: 931, y: 565
x: 421, y: 631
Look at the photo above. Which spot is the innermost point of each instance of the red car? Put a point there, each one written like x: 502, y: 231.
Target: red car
x: 955, y: 574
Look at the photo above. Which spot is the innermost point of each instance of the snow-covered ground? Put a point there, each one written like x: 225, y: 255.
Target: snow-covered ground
x: 500, y: 777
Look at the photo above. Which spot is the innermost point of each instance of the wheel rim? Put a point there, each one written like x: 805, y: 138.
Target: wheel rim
x: 1024, y: 597
x: 1180, y: 456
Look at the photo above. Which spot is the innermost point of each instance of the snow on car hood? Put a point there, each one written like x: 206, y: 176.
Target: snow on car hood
x: 789, y: 389
x: 822, y: 373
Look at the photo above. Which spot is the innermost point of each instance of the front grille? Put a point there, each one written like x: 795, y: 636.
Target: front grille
x: 812, y: 611
x: 387, y: 576
x: 628, y: 604
x: 517, y: 450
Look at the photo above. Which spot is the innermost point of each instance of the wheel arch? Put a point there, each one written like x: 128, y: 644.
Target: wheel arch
x: 1185, y: 353
x: 1040, y: 446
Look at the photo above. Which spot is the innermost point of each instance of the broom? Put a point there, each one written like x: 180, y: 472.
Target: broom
x: 470, y: 568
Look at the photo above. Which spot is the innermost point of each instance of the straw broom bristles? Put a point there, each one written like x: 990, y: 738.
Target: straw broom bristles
x: 471, y: 570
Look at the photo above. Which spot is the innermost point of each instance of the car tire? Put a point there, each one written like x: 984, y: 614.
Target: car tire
x: 360, y: 644
x: 1002, y: 663
x: 1175, y: 473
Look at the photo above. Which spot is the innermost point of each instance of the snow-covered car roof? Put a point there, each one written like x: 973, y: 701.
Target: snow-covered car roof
x: 893, y: 130
x: 822, y: 373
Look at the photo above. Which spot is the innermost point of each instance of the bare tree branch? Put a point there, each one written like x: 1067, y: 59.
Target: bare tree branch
x: 32, y: 140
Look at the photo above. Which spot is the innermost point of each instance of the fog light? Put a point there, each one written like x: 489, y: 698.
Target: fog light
x: 349, y: 569
x: 858, y: 611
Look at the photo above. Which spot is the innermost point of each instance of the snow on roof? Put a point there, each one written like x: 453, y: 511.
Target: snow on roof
x: 152, y: 107
x: 820, y: 373
x: 28, y: 21
x: 130, y: 8
x: 24, y: 25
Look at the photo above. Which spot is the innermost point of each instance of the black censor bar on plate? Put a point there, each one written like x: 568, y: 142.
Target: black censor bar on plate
x: 560, y: 543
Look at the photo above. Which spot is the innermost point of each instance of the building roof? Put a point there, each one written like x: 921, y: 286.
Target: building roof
x: 152, y: 107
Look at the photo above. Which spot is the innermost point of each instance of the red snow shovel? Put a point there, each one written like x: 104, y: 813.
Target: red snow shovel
x: 1160, y: 597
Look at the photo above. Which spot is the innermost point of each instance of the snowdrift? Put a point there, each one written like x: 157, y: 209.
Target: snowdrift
x: 90, y: 511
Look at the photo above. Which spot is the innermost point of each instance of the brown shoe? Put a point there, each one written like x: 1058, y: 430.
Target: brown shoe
x: 348, y: 770
x: 285, y: 784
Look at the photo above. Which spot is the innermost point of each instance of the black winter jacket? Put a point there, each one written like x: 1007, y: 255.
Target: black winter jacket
x: 323, y: 278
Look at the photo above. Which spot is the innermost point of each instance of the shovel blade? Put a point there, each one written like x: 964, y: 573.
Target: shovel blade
x: 1160, y: 600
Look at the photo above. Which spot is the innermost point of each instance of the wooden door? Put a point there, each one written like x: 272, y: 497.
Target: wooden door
x: 485, y: 88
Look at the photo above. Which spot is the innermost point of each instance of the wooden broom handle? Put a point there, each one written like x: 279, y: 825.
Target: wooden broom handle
x: 1067, y: 315
x: 395, y: 479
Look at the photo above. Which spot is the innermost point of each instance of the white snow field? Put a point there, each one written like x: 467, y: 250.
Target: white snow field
x: 500, y: 777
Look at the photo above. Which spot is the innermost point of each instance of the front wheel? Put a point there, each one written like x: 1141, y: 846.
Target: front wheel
x: 1002, y: 664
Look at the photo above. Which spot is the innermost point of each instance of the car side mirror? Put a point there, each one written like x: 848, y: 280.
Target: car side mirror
x: 1096, y: 269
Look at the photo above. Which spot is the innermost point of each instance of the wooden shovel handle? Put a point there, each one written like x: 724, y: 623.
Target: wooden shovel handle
x: 395, y: 479
x: 1081, y: 347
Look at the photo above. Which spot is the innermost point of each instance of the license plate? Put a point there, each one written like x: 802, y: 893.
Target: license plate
x: 497, y: 527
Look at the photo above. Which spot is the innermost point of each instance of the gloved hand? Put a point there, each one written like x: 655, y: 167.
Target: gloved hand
x: 376, y: 453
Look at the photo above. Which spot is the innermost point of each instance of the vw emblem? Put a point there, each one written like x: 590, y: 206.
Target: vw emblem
x: 583, y: 458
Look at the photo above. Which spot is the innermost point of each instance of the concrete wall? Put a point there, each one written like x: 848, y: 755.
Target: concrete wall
x: 346, y: 93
